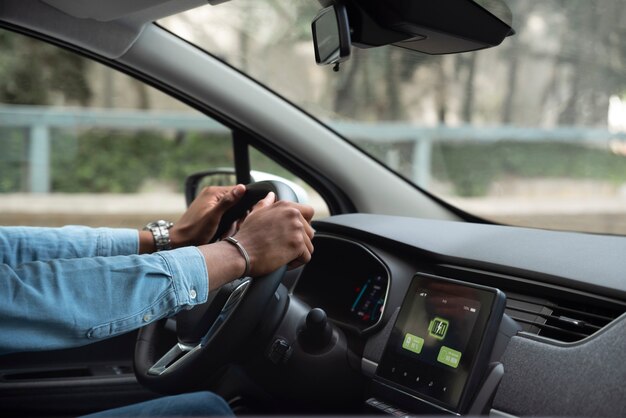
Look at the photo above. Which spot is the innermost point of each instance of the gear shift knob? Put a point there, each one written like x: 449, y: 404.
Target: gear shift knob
x: 317, y: 332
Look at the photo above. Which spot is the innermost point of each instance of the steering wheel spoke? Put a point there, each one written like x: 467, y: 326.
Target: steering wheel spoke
x: 182, y: 352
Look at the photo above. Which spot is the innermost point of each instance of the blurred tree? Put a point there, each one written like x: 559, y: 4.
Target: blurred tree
x: 36, y: 73
x: 468, y: 90
x: 589, y: 59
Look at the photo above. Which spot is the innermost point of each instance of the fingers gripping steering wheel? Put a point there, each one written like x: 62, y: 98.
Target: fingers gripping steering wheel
x: 208, y: 334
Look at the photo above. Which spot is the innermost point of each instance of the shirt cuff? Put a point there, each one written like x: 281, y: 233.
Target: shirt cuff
x: 118, y: 241
x: 190, y: 277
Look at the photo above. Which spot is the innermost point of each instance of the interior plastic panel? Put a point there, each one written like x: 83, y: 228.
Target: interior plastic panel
x: 594, y: 263
x: 554, y: 379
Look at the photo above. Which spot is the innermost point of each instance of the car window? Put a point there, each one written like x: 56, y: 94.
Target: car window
x: 264, y: 168
x: 530, y: 132
x: 84, y: 144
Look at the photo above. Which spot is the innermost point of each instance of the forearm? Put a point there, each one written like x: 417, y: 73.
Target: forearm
x: 223, y: 262
x: 25, y: 244
x: 146, y: 242
x: 65, y: 303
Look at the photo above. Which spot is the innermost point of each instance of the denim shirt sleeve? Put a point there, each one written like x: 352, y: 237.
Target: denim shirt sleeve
x: 23, y: 244
x: 66, y: 302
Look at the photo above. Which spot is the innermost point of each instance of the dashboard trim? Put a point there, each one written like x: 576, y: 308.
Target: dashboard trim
x: 538, y: 284
x: 588, y: 382
x: 368, y: 367
x: 567, y: 259
x: 430, y: 404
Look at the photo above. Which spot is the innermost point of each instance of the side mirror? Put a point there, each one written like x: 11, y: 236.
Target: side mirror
x: 227, y: 177
x: 331, y: 35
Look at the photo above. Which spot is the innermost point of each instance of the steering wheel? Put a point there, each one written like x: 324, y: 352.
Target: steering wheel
x: 210, y: 333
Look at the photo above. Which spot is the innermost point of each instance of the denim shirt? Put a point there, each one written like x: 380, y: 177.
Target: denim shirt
x: 66, y: 287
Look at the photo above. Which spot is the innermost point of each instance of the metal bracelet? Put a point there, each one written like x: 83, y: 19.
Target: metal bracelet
x: 243, y: 252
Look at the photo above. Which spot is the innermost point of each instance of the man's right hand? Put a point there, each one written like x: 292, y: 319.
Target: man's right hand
x: 273, y: 234
x: 276, y: 234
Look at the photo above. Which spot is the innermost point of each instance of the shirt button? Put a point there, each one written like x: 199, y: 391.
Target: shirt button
x: 146, y: 318
x: 192, y: 293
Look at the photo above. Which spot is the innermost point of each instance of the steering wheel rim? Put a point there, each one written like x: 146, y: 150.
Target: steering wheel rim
x: 180, y: 369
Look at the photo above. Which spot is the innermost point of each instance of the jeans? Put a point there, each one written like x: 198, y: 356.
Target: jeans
x: 196, y: 404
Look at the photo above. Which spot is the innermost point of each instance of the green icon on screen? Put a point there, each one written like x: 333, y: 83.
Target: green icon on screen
x: 438, y: 328
x: 449, y: 357
x: 413, y: 343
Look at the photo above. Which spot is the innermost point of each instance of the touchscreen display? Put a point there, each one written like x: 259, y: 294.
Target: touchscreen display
x: 436, y: 339
x: 438, y: 327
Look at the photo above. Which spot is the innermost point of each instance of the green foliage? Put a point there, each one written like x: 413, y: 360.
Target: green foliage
x: 472, y: 168
x: 261, y: 162
x: 12, y: 159
x: 122, y: 162
x: 109, y: 161
x: 32, y: 71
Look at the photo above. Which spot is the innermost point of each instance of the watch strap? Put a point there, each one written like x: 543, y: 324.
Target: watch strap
x: 161, y: 233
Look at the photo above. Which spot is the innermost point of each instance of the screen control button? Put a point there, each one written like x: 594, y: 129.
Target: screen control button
x: 449, y: 357
x: 413, y: 343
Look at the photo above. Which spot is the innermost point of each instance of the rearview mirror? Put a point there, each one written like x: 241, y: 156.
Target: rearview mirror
x: 331, y: 35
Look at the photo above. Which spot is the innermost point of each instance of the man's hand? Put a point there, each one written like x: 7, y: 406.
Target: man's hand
x: 277, y: 233
x: 199, y: 223
x: 274, y: 234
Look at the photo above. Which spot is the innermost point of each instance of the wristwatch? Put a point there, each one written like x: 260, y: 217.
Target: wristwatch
x: 161, y: 232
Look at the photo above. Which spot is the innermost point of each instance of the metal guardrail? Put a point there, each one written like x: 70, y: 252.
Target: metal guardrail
x: 38, y: 120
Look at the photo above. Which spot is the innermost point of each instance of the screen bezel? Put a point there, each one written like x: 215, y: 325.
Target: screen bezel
x: 475, y: 356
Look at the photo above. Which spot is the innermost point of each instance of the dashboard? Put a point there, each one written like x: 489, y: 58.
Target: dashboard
x: 564, y: 326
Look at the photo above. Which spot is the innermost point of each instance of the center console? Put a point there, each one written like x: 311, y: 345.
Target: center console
x: 440, y: 355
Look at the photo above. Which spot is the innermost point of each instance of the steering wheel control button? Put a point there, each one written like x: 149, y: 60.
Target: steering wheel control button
x: 193, y: 293
x: 280, y: 351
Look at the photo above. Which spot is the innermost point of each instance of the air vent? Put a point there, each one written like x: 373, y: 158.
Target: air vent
x: 550, y: 311
x: 560, y: 320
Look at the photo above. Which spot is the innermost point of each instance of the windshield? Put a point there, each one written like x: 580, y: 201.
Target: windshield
x: 532, y: 132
